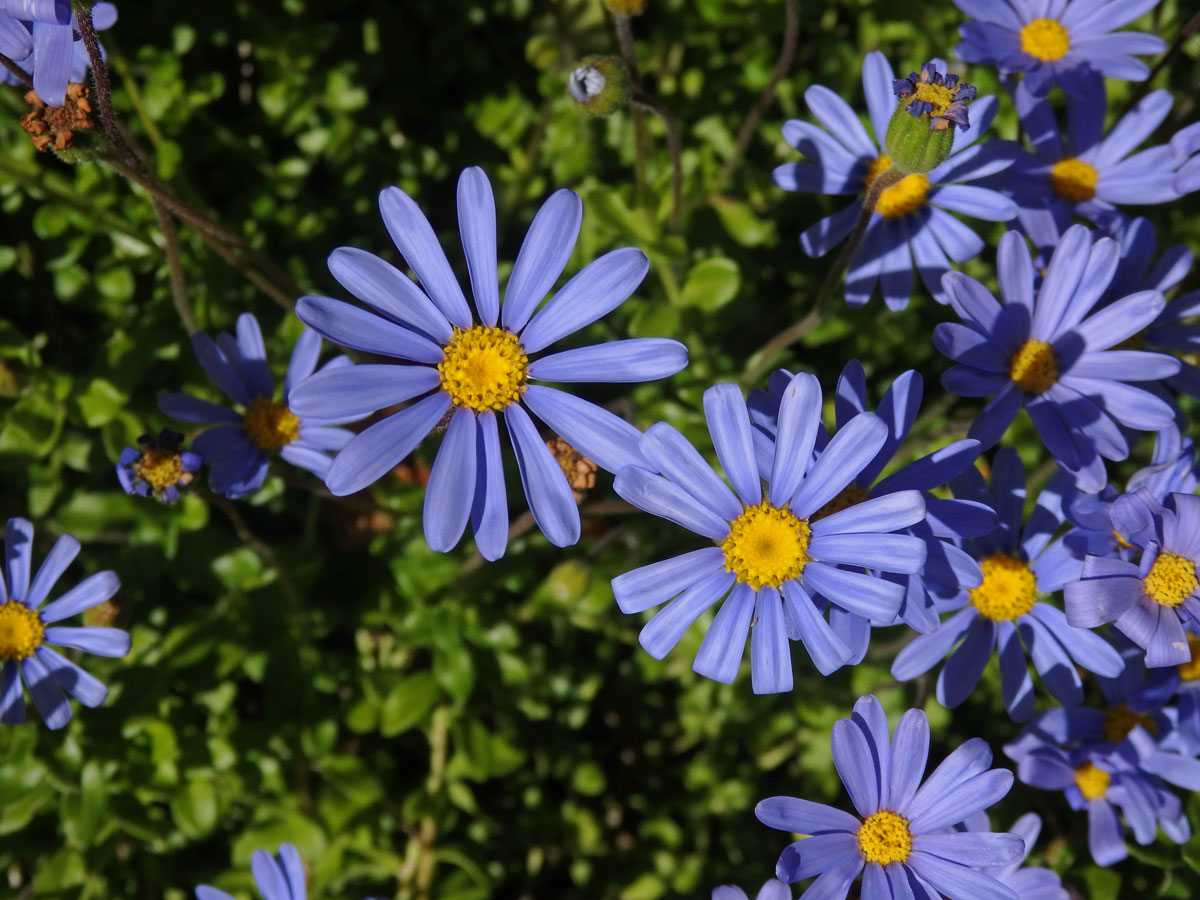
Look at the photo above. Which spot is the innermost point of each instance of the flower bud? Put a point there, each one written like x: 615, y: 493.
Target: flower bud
x: 921, y: 133
x: 599, y: 84
x: 625, y: 7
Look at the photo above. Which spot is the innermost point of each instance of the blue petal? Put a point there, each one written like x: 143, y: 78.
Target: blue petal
x: 901, y: 553
x: 388, y: 291
x: 796, y: 434
x: 543, y: 255
x: 827, y: 651
x: 729, y: 426
x: 597, y: 290
x: 254, y: 355
x: 52, y: 52
x: 359, y: 329
x: 304, y: 359
x: 220, y: 369
x: 89, y: 592
x: 489, y: 512
x: 601, y: 436
x: 927, y: 650
x: 909, y: 754
x: 966, y: 664
x: 352, y: 392
x: 890, y: 512
x: 191, y: 409
x: 631, y: 360
x: 804, y: 816
x: 865, y: 595
x: 639, y: 589
x: 856, y: 766
x: 65, y: 549
x: 477, y: 225
x: 672, y: 455
x: 419, y: 246
x: 770, y: 656
x: 720, y: 653
x: 378, y: 449
x: 664, y: 630
x: 550, y: 498
x: 48, y: 697
x: 98, y: 641
x: 846, y: 455
x: 956, y: 880
x: 660, y: 497
x: 268, y: 876
x: 1015, y: 683
x: 451, y: 489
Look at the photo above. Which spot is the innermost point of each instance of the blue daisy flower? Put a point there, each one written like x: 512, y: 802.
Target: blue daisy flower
x: 913, y: 225
x: 1149, y: 601
x: 1063, y: 41
x: 1028, y: 882
x: 946, y: 566
x: 28, y: 629
x: 159, y: 467
x: 902, y: 838
x: 771, y: 890
x: 1106, y: 784
x: 1089, y: 173
x: 40, y: 36
x: 773, y: 553
x: 1042, y: 351
x: 477, y: 373
x: 1005, y: 611
x: 239, y: 448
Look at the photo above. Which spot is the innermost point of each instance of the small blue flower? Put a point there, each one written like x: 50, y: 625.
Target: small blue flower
x: 27, y: 629
x: 477, y: 374
x: 40, y: 36
x: 912, y: 225
x: 1004, y: 612
x: 1042, y: 351
x: 1106, y: 783
x: 771, y: 890
x: 903, y: 836
x: 160, y: 467
x: 774, y: 554
x: 946, y: 566
x: 1089, y: 173
x: 1061, y: 42
x: 1027, y: 882
x: 1150, y: 601
x: 239, y: 448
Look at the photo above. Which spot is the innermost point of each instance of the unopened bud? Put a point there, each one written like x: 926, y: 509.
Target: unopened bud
x: 625, y: 7
x: 920, y: 134
x: 599, y: 84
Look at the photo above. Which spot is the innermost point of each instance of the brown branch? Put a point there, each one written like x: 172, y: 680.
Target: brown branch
x: 674, y: 150
x: 19, y: 73
x: 787, y: 55
x: 624, y: 29
x: 175, y: 270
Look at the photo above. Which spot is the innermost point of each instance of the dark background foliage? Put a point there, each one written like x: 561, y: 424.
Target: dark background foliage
x: 306, y: 670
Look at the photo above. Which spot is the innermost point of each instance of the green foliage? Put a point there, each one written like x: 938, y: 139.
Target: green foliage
x: 424, y: 725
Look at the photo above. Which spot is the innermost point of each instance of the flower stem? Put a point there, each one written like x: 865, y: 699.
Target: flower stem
x: 674, y: 149
x: 624, y: 29
x: 175, y: 270
x: 762, y: 361
x: 16, y: 70
x: 787, y: 54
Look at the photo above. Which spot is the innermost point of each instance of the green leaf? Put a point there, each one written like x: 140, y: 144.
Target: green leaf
x: 711, y: 284
x: 194, y: 807
x: 408, y: 704
x: 101, y: 402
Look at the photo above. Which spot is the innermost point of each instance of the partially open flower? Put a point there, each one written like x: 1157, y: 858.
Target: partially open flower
x: 920, y: 133
x: 160, y: 468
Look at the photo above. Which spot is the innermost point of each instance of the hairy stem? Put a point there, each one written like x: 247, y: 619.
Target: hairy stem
x: 624, y: 29
x: 674, y: 149
x: 175, y: 270
x: 19, y: 73
x: 108, y: 116
x: 762, y: 361
x: 787, y: 55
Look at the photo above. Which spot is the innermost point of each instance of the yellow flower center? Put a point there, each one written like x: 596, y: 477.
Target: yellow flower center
x: 766, y: 545
x: 938, y: 94
x: 1120, y: 720
x: 903, y: 197
x: 159, y: 467
x: 270, y: 425
x: 483, y: 368
x: 882, y: 163
x: 1171, y: 580
x: 1045, y: 39
x: 1074, y: 180
x: 1009, y: 588
x: 1092, y: 782
x: 1190, y: 671
x: 850, y: 495
x: 1034, y: 367
x: 884, y: 838
x: 21, y: 630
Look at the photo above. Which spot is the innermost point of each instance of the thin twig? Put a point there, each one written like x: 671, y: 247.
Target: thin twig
x: 1184, y: 33
x: 674, y: 149
x: 255, y: 543
x: 20, y: 74
x: 286, y: 301
x: 624, y: 29
x: 787, y: 55
x: 761, y: 361
x: 175, y: 270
